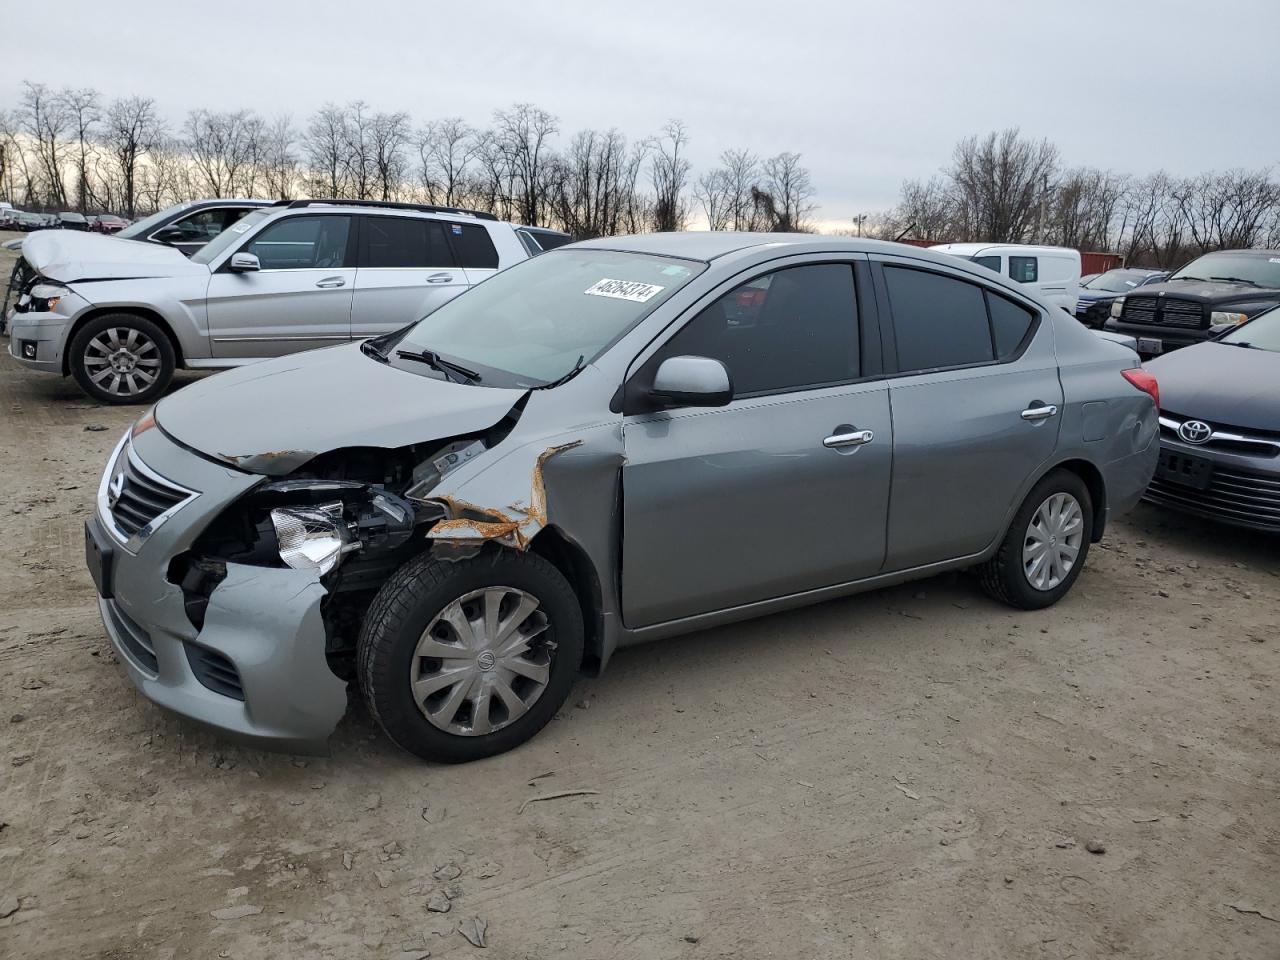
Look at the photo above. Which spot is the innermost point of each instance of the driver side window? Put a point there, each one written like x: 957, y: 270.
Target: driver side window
x: 302, y: 243
x: 793, y: 329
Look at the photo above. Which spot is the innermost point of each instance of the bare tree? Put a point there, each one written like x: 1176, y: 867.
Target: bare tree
x: 389, y: 135
x: 522, y: 137
x: 324, y: 146
x: 712, y: 192
x: 445, y: 150
x: 669, y: 171
x: 223, y: 147
x: 276, y: 161
x: 43, y: 117
x: 1003, y: 185
x: 131, y: 127
x: 84, y: 112
x: 789, y: 193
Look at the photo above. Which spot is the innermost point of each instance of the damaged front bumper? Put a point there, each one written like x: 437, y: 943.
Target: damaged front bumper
x: 255, y: 668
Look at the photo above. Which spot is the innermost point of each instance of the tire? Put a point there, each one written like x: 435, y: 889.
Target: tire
x: 420, y: 595
x: 1005, y: 576
x: 112, y: 357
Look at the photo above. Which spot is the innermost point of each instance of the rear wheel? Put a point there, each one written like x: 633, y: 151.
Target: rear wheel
x: 1046, y: 545
x: 464, y: 659
x: 121, y: 358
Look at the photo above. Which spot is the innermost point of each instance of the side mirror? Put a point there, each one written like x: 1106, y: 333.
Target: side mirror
x: 691, y: 382
x: 244, y: 263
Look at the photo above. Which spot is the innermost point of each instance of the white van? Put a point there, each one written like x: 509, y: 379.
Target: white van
x: 1053, y: 271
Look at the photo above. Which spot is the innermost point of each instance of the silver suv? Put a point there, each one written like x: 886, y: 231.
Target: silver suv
x: 617, y: 441
x: 120, y: 316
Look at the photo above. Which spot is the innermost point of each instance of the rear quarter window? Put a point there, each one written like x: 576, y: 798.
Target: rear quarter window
x: 474, y: 247
x: 1024, y: 269
x: 938, y: 321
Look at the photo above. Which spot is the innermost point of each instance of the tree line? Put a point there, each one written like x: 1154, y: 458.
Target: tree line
x: 73, y: 149
x: 1005, y: 188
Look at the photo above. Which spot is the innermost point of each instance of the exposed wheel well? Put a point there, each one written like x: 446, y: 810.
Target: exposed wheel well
x: 93, y: 314
x: 573, y: 562
x: 1092, y: 478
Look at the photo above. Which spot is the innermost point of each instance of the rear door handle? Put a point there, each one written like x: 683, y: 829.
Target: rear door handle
x: 332, y: 282
x: 440, y: 278
x: 1042, y: 412
x: 855, y: 438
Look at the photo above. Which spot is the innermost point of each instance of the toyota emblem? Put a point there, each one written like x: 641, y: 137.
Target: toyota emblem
x: 1195, y: 431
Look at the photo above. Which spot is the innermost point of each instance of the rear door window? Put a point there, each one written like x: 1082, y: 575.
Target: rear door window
x: 938, y: 321
x: 991, y: 263
x: 391, y: 242
x: 475, y: 249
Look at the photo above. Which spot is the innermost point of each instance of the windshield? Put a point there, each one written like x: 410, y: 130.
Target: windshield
x: 1262, y: 332
x: 530, y: 325
x: 1117, y: 281
x: 228, y: 237
x: 1261, y: 269
x: 146, y: 225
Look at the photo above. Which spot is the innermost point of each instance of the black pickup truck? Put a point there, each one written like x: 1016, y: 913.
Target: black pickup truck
x: 1206, y: 297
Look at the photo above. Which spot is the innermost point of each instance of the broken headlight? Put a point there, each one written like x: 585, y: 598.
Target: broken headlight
x: 312, y: 538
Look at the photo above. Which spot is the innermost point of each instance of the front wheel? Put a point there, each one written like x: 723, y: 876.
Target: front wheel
x: 1046, y: 545
x: 460, y: 660
x: 121, y: 358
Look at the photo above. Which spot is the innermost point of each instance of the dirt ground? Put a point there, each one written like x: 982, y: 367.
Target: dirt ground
x: 914, y: 773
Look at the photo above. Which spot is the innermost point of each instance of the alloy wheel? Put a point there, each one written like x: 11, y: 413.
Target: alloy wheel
x: 1052, y: 541
x: 122, y: 361
x: 482, y: 662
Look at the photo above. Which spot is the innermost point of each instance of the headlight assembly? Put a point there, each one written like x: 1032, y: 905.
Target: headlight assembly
x: 312, y: 538
x: 45, y: 297
x: 1223, y: 316
x: 1117, y: 306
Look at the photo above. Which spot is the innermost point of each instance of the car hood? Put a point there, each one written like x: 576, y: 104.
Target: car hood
x: 1092, y: 295
x: 274, y: 416
x: 70, y: 255
x: 1205, y: 291
x: 1221, y: 383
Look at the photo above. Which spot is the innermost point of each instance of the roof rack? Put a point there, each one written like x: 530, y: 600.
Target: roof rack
x: 388, y: 204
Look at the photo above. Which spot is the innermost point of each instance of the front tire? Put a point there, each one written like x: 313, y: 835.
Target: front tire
x: 121, y: 358
x: 1046, y: 545
x: 464, y: 659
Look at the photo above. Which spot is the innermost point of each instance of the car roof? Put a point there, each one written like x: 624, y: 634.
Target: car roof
x: 707, y: 245
x: 969, y: 249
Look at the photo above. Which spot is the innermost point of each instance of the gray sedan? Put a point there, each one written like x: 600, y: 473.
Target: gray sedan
x: 621, y: 440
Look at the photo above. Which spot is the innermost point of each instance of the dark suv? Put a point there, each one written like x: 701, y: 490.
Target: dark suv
x: 1206, y: 297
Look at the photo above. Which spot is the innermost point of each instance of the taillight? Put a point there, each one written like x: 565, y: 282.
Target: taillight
x: 1144, y: 381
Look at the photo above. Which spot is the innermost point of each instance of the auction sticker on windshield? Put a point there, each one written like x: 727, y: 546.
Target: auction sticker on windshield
x: 632, y: 290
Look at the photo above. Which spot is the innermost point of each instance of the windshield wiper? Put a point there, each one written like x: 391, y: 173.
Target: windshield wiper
x: 437, y: 362
x: 1240, y: 343
x: 1237, y: 280
x: 1171, y: 279
x: 369, y: 350
x: 568, y: 376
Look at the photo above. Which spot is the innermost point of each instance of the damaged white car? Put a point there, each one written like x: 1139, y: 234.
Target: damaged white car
x: 618, y: 441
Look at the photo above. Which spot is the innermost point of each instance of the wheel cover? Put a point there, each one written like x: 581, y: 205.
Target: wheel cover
x: 482, y: 662
x: 1052, y: 541
x: 122, y: 361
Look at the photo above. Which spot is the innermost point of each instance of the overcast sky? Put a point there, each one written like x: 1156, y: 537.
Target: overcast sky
x: 868, y: 93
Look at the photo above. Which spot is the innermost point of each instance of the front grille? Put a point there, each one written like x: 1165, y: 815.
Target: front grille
x: 215, y: 671
x: 1225, y: 437
x: 132, y: 639
x: 1251, y: 499
x: 1163, y: 312
x: 141, y: 497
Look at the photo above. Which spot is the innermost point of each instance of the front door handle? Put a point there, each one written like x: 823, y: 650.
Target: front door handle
x: 854, y: 438
x: 440, y: 278
x: 1042, y: 412
x: 332, y: 282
